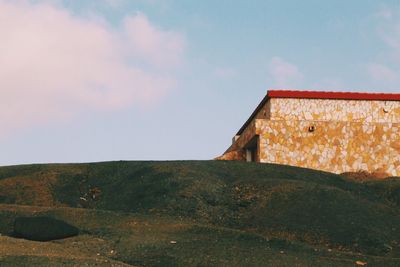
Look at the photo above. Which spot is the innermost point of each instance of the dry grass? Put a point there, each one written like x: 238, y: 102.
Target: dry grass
x: 204, y: 213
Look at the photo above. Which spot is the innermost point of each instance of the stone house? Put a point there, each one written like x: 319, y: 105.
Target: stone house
x: 330, y: 131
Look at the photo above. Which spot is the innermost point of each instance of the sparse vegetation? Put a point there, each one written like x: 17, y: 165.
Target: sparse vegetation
x: 217, y: 213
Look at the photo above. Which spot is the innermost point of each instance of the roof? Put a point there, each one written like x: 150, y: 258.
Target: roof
x: 318, y: 95
x: 332, y: 95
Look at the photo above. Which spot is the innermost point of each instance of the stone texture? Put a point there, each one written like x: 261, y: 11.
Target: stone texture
x: 331, y: 135
x: 334, y: 146
x: 334, y: 110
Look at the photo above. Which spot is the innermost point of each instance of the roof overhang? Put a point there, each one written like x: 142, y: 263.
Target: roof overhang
x: 332, y: 95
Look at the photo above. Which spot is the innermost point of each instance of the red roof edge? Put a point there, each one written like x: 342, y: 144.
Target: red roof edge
x: 332, y: 95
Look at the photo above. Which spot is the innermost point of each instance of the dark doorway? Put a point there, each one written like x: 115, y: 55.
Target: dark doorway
x: 252, y: 150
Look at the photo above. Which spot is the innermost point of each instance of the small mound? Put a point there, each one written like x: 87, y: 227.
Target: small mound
x: 364, y: 176
x: 43, y: 228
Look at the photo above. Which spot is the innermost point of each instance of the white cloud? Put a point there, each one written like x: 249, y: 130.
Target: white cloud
x: 382, y: 74
x: 54, y: 65
x: 284, y: 74
x: 161, y: 48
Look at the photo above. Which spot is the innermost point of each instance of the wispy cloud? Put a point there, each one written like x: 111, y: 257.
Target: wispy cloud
x: 116, y: 3
x: 56, y: 65
x: 224, y: 72
x: 385, y: 71
x: 284, y: 74
x: 160, y: 48
x: 383, y: 74
x: 384, y: 13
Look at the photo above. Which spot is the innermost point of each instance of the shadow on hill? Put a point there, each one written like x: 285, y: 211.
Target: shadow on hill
x: 43, y: 228
x: 274, y: 201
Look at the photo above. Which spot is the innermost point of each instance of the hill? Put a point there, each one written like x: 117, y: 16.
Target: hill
x: 202, y: 213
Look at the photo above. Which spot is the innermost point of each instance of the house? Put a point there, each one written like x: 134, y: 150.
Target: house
x: 330, y: 131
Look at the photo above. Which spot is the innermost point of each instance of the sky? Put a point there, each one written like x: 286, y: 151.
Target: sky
x: 102, y: 80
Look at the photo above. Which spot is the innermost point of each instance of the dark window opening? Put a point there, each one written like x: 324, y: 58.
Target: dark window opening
x: 252, y: 150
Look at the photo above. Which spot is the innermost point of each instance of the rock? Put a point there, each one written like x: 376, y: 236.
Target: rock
x: 43, y: 228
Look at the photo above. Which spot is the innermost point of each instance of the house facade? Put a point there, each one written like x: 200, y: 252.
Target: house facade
x: 330, y: 131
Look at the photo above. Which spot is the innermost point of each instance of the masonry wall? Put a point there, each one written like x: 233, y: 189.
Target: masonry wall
x: 334, y: 110
x: 265, y: 111
x: 333, y: 146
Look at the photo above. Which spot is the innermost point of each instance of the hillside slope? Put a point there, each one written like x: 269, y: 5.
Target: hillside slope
x: 273, y: 202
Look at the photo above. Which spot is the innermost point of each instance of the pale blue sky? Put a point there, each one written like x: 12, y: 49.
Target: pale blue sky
x: 221, y: 58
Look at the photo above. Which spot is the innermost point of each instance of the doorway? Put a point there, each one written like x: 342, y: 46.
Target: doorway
x: 252, y: 150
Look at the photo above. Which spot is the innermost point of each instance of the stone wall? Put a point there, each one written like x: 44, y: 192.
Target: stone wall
x: 330, y: 135
x: 332, y: 146
x: 265, y: 111
x: 334, y: 110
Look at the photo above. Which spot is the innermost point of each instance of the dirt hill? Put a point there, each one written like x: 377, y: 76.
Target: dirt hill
x: 201, y: 213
